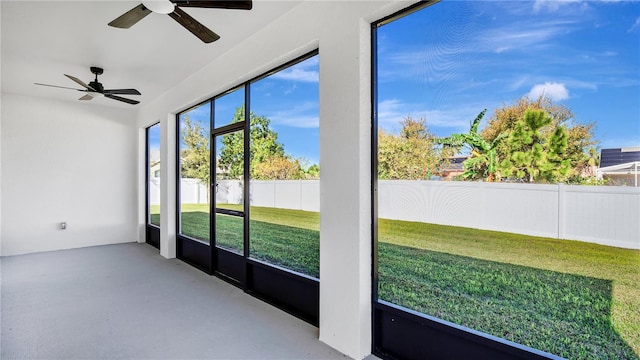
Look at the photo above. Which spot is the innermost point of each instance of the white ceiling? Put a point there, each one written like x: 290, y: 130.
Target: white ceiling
x: 42, y: 40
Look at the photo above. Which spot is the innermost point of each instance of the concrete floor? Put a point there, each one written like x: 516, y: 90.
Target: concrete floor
x: 127, y: 302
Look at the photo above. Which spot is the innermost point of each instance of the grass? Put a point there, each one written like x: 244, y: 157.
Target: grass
x: 154, y: 214
x: 565, y: 314
x: 522, y: 284
x: 287, y: 238
x: 574, y: 299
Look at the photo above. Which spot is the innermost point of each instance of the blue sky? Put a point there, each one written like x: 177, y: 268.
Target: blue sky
x: 451, y: 60
x: 154, y: 139
x: 288, y: 98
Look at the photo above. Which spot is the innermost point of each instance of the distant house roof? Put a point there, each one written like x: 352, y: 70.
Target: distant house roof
x: 621, y: 164
x: 612, y: 157
x: 455, y: 163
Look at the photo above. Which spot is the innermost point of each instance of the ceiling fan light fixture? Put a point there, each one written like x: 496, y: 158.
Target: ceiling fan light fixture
x: 159, y: 6
x: 173, y: 8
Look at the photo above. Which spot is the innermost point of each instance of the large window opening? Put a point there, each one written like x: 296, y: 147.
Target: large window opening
x: 256, y: 224
x: 285, y: 172
x: 194, y: 153
x: 493, y: 216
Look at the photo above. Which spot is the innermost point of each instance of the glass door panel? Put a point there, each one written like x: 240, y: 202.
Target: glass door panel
x: 229, y: 188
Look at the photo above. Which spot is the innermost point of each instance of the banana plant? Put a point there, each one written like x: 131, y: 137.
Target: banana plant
x: 483, y: 162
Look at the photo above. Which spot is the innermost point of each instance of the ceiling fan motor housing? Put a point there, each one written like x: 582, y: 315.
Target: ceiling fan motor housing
x: 96, y: 70
x: 96, y: 86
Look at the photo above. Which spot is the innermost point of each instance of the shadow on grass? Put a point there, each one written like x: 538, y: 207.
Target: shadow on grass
x: 564, y: 314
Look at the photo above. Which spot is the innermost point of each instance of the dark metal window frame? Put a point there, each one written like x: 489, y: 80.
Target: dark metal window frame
x: 152, y: 231
x: 288, y: 290
x: 401, y: 333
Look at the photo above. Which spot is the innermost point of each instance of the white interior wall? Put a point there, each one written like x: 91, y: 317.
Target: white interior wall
x: 66, y: 161
x: 341, y: 31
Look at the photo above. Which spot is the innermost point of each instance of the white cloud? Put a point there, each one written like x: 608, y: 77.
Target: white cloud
x: 306, y: 71
x: 291, y: 89
x: 302, y: 121
x: 297, y: 74
x: 519, y: 36
x: 553, y: 5
x: 635, y: 25
x: 304, y: 115
x: 518, y: 82
x: 554, y: 91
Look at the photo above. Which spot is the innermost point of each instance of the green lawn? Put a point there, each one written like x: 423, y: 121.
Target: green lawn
x: 154, y: 214
x: 570, y: 298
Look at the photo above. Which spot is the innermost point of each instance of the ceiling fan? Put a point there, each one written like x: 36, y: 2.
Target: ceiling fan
x: 95, y: 89
x: 173, y: 9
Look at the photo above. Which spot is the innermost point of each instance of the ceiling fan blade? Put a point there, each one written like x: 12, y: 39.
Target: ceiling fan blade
x: 80, y: 82
x: 191, y: 24
x: 122, y: 92
x: 131, y: 17
x: 86, y: 97
x: 61, y: 87
x: 128, y: 101
x: 216, y: 4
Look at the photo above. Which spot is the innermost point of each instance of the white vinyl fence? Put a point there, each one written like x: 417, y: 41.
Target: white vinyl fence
x: 289, y: 194
x: 192, y: 191
x: 608, y: 215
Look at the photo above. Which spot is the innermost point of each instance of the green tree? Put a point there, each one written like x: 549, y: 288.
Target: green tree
x: 580, y: 137
x: 411, y: 155
x: 194, y: 157
x: 483, y: 162
x: 278, y: 168
x: 264, y: 147
x: 535, y: 157
x: 313, y: 172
